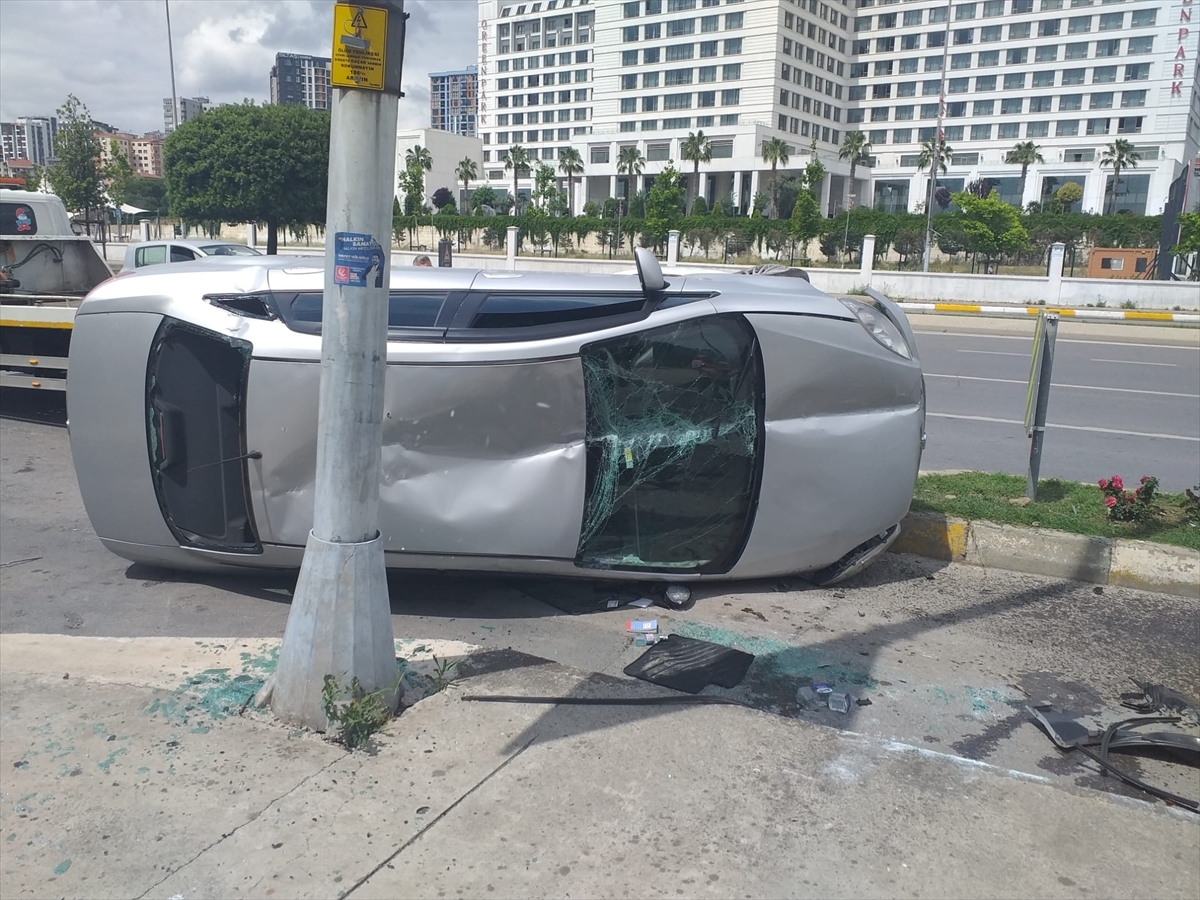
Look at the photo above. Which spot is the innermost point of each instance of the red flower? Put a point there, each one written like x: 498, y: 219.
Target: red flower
x: 1138, y: 492
x: 1117, y: 483
x: 1146, y: 478
x: 1130, y: 497
x: 1103, y: 483
x: 1110, y: 502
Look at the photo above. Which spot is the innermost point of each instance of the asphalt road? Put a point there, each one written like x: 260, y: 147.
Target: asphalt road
x: 1129, y: 408
x: 948, y: 656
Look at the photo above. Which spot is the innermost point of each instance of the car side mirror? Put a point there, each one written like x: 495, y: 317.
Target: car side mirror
x: 649, y: 272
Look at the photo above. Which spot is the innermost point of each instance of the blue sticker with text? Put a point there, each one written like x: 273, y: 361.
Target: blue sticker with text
x: 357, y: 260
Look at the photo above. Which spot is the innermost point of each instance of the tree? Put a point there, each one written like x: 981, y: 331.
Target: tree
x: 570, y: 163
x: 1024, y: 154
x: 981, y: 187
x: 805, y: 223
x: 696, y: 149
x: 934, y: 149
x: 664, y: 204
x: 1189, y: 241
x: 775, y: 152
x: 1067, y: 196
x: 518, y: 159
x: 814, y: 172
x: 630, y: 162
x: 441, y: 197
x: 483, y: 196
x: 856, y: 148
x: 992, y: 227
x: 118, y: 174
x: 417, y: 155
x: 76, y: 175
x: 34, y: 178
x: 466, y: 172
x: 250, y: 163
x: 544, y: 188
x: 149, y: 194
x: 1120, y: 154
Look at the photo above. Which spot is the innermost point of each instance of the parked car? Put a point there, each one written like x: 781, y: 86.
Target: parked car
x: 153, y: 253
x: 709, y: 426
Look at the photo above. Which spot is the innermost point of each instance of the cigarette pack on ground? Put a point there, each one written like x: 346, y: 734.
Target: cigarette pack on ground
x: 641, y: 626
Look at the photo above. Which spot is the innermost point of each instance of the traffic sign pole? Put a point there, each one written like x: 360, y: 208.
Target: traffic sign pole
x: 340, y: 619
x: 1044, y: 367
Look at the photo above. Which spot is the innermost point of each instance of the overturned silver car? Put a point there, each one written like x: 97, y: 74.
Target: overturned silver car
x: 701, y: 426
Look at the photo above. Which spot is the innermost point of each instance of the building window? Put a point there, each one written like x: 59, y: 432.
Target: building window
x: 651, y: 32
x: 958, y: 85
x: 902, y: 136
x: 677, y: 52
x: 1046, y: 53
x: 677, y: 101
x: 628, y: 126
x: 933, y: 64
x: 629, y: 57
x: 989, y: 58
x: 1009, y: 131
x: 731, y: 72
x: 910, y: 42
x: 1129, y: 125
x: 629, y: 34
x: 964, y: 11
x: 1043, y: 79
x: 1049, y: 27
x: 649, y: 79
x: 1012, y: 106
x: 628, y: 105
x: 1132, y: 98
x: 650, y: 104
x: 1097, y: 126
x: 1041, y: 104
x: 883, y: 67
x: 707, y: 49
x: 904, y: 113
x: 631, y: 10
x: 673, y: 77
x: 628, y: 83
x: 1066, y: 128
x: 708, y: 74
x: 733, y: 46
x: 1143, y: 18
x: 981, y: 132
x: 908, y: 66
x: 903, y: 89
x: 1070, y: 102
x: 1018, y: 32
x: 709, y: 24
x: 857, y: 92
x: 677, y: 122
x: 1014, y: 81
x: 1112, y: 47
x: 960, y: 61
x: 1079, y: 24
x: 1104, y: 74
x: 731, y: 97
x: 929, y: 110
x: 931, y: 88
x: 1077, y: 51
x: 935, y: 39
x: 1112, y: 21
x: 954, y: 133
x: 1137, y: 45
x: 879, y: 113
x: 885, y: 45
x: 733, y: 20
x: 854, y: 116
x: 681, y: 27
x: 914, y: 16
x: 964, y: 36
x: 1137, y: 72
x: 1017, y: 56
x: 881, y: 91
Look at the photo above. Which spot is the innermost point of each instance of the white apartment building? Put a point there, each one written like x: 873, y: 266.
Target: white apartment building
x: 1069, y: 75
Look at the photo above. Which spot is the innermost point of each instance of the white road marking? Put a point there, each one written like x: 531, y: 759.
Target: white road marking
x: 1078, y: 387
x: 1061, y: 340
x: 1134, y: 362
x: 997, y: 353
x: 1170, y: 437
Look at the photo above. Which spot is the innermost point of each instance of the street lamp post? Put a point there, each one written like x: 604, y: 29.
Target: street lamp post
x: 340, y: 619
x: 937, y: 148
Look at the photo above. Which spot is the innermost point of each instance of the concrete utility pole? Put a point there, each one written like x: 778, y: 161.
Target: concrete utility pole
x: 340, y: 620
x: 937, y: 148
x: 171, y: 56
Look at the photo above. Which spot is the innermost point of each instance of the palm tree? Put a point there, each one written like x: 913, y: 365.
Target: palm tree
x: 630, y: 162
x: 466, y: 172
x: 775, y: 151
x: 1120, y: 154
x: 696, y: 149
x: 934, y: 148
x: 518, y: 159
x: 418, y: 155
x: 570, y: 164
x: 1024, y: 154
x: 857, y: 149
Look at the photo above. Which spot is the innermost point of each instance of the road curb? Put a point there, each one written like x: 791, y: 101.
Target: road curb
x: 1055, y: 554
x: 1127, y: 315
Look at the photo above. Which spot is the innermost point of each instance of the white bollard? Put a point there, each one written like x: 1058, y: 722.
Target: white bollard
x: 867, y: 261
x: 145, y: 227
x: 1054, y: 288
x: 510, y: 246
x: 672, y: 247
x: 252, y: 234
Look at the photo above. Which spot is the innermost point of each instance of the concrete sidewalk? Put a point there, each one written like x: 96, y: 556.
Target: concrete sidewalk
x: 128, y: 772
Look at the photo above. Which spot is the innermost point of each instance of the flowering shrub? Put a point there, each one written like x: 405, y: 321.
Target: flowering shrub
x: 1126, y: 506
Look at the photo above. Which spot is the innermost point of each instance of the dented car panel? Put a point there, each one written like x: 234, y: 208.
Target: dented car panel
x: 723, y: 427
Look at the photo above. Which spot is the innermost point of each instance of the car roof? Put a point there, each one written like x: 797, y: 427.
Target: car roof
x: 187, y: 242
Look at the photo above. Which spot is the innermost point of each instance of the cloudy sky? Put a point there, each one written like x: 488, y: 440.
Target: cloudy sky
x: 112, y: 54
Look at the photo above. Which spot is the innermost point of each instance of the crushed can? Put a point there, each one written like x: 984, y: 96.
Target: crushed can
x: 839, y: 702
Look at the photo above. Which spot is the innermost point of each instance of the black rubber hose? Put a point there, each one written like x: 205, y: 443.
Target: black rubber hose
x: 1184, y: 802
x: 682, y: 699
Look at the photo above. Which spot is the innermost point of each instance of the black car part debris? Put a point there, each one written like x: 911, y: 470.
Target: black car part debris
x: 1069, y: 734
x: 688, y: 665
x: 1154, y: 698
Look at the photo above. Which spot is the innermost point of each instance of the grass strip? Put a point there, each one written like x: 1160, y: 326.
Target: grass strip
x: 1061, y: 505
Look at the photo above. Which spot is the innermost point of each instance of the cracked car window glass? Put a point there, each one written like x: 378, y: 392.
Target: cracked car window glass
x: 673, y: 448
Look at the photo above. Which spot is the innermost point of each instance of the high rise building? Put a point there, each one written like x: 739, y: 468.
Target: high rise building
x: 299, y: 80
x: 29, y: 137
x: 189, y: 108
x: 453, y: 101
x: 1072, y: 76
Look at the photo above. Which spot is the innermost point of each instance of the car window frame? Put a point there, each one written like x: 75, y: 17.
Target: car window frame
x: 139, y: 255
x: 282, y: 302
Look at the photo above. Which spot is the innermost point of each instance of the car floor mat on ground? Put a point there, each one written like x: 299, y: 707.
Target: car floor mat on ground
x: 688, y: 665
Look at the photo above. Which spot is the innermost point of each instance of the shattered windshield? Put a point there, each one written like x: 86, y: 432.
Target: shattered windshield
x: 673, y: 438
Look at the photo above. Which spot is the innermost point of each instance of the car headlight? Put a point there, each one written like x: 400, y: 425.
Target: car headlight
x: 878, y: 325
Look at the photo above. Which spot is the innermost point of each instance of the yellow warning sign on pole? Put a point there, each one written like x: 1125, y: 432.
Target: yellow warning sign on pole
x: 359, y: 46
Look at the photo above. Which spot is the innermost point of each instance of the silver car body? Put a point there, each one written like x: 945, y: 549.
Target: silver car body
x: 605, y: 447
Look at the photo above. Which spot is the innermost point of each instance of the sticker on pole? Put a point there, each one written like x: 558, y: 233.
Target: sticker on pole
x: 357, y: 260
x: 359, y: 39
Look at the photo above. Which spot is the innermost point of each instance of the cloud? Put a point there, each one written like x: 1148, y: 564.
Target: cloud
x: 112, y: 54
